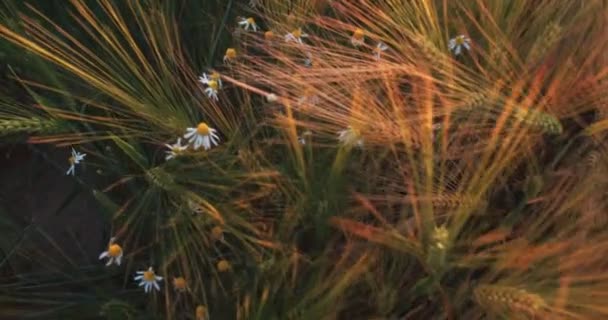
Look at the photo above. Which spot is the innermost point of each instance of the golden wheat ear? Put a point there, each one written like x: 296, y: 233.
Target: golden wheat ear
x: 509, y: 301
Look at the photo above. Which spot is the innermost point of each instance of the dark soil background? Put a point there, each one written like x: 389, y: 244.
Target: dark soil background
x: 49, y: 219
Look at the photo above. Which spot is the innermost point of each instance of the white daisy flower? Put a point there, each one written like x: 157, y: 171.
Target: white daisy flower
x: 202, y: 135
x: 213, y: 82
x: 148, y: 279
x: 247, y: 23
x: 350, y: 137
x: 212, y: 89
x: 214, y: 76
x: 296, y: 36
x: 358, y: 38
x: 458, y: 42
x: 175, y: 149
x: 74, y: 159
x: 380, y: 47
x: 114, y: 253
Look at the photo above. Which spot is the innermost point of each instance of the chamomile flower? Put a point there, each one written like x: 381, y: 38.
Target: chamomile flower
x: 214, y: 76
x: 230, y: 55
x: 212, y: 89
x: 296, y: 35
x: 180, y: 284
x: 458, y: 42
x: 202, y: 135
x: 380, y: 47
x: 350, y: 137
x: 247, y: 23
x: 114, y: 253
x: 358, y: 37
x: 148, y: 279
x: 74, y: 159
x: 175, y: 149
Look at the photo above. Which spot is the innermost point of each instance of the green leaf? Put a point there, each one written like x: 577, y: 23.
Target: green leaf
x: 128, y: 149
x: 109, y: 207
x: 424, y: 286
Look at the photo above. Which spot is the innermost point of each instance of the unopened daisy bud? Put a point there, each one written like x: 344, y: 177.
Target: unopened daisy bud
x: 180, y: 284
x: 230, y: 55
x: 268, y: 35
x: 217, y: 233
x: 358, y: 37
x: 200, y: 313
x: 223, y: 266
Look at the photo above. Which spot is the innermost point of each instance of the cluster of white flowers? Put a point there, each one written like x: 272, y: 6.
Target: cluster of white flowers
x: 148, y: 279
x: 213, y: 83
x: 200, y: 136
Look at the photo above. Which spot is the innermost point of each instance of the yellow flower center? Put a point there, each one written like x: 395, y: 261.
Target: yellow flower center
x: 230, y: 53
x: 297, y: 33
x: 460, y: 40
x: 358, y: 34
x: 250, y: 20
x: 212, y: 84
x: 202, y: 129
x: 149, y: 276
x: 114, y: 250
x: 215, y: 76
x: 201, y: 312
x: 268, y: 35
x: 223, y: 265
x: 179, y: 283
x: 72, y: 160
